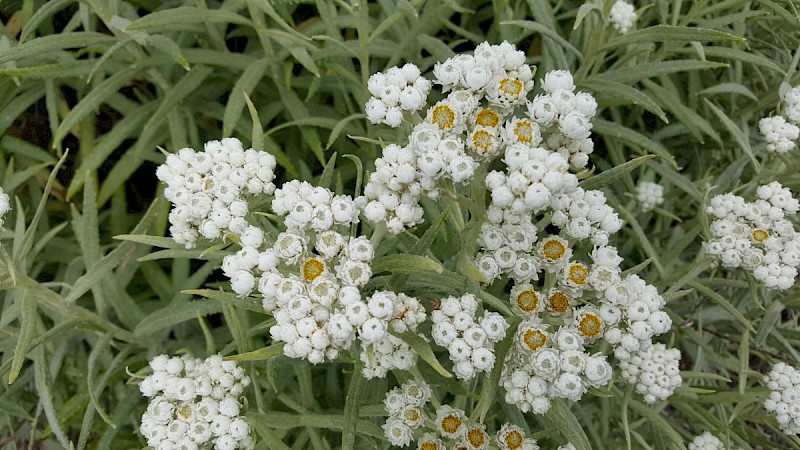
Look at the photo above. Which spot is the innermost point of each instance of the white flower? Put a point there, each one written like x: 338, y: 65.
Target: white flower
x: 783, y: 382
x: 706, y: 441
x: 623, y: 16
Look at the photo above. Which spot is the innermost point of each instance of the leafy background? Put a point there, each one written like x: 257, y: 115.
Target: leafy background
x: 93, y: 88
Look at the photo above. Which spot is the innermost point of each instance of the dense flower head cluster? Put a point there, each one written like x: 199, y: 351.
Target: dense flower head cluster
x: 305, y: 207
x: 5, y: 206
x: 783, y: 401
x: 583, y: 214
x: 706, y: 441
x: 623, y: 16
x: 445, y: 427
x: 195, y: 403
x: 649, y: 195
x: 782, y: 131
x: 209, y: 189
x: 397, y: 90
x: 655, y: 371
x: 405, y: 405
x: 470, y: 342
x: 757, y: 235
x: 564, y: 117
x: 476, y: 123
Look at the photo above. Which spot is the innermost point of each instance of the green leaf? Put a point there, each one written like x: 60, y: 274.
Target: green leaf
x: 562, y: 418
x: 424, y: 350
x: 258, y: 131
x: 404, y: 263
x: 56, y: 42
x: 612, y: 89
x: 326, y: 178
x: 170, y: 19
x: 737, y: 133
x: 639, y: 72
x: 43, y: 12
x: 262, y: 354
x: 27, y: 332
x: 633, y: 138
x: 172, y: 315
x: 351, y: 404
x: 729, y: 88
x: 93, y: 100
x: 614, y: 174
x: 721, y: 301
x: 539, y: 28
x: 154, y: 241
x: 337, y: 130
x: 240, y: 93
x: 667, y: 33
x: 22, y: 248
x: 693, y: 121
x: 180, y: 92
x: 282, y: 420
x: 230, y: 298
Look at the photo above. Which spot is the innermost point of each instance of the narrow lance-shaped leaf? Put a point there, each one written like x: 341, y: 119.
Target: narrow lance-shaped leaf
x: 27, y: 332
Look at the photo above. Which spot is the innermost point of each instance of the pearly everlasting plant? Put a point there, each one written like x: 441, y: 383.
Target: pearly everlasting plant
x: 706, y: 441
x: 783, y: 402
x: 757, y: 235
x: 194, y: 404
x: 649, y: 195
x: 623, y: 16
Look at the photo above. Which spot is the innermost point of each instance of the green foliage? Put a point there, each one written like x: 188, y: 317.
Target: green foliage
x: 91, y: 289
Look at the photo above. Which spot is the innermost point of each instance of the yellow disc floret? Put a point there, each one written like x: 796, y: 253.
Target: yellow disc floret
x: 312, y: 269
x: 578, y: 274
x: 558, y: 302
x: 534, y: 339
x: 527, y: 301
x: 553, y: 249
x: 482, y: 140
x: 443, y: 116
x: 590, y: 325
x: 760, y: 235
x: 477, y: 437
x: 510, y: 86
x: 523, y: 130
x: 487, y: 118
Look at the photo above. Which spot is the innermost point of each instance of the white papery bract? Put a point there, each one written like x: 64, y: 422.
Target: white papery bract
x: 654, y: 371
x: 757, y: 235
x: 512, y: 437
x: 781, y: 136
x: 400, y: 313
x: 649, y: 195
x: 195, y: 403
x: 5, y: 206
x: 312, y: 208
x: 706, y: 441
x: 783, y: 401
x: 470, y: 341
x: 209, y: 189
x: 397, y: 90
x: 405, y: 405
x: 623, y: 16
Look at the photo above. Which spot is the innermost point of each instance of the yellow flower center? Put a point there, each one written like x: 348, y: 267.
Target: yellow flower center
x: 487, y: 118
x: 578, y: 273
x: 527, y: 301
x: 553, y: 249
x: 558, y: 302
x: 429, y: 446
x: 412, y: 415
x: 590, y: 325
x: 510, y: 86
x: 514, y: 440
x: 534, y: 339
x: 443, y: 116
x: 476, y: 437
x: 523, y: 130
x: 760, y: 235
x: 313, y: 268
x: 482, y: 140
x: 451, y: 424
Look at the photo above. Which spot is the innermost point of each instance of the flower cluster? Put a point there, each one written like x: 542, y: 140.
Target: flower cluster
x: 194, y: 403
x: 757, y: 235
x: 782, y: 131
x: 653, y: 371
x: 470, y: 343
x: 209, y: 189
x: 623, y: 16
x: 5, y: 206
x: 706, y: 441
x: 585, y: 215
x: 543, y: 365
x: 399, y: 89
x: 564, y: 117
x: 409, y: 421
x: 783, y: 402
x: 405, y: 406
x: 649, y: 195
